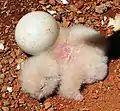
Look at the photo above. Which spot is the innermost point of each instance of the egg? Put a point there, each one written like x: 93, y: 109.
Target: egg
x: 36, y: 31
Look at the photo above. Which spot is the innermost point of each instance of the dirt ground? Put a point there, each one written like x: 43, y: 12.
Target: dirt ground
x: 101, y: 96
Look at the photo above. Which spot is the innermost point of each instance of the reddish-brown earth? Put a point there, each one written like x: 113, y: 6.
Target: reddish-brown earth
x: 101, y: 96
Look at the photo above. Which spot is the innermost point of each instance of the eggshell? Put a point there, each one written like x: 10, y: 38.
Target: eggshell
x: 36, y: 32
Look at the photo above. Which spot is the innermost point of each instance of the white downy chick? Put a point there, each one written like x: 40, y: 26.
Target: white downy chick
x: 82, y: 60
x: 87, y: 63
x: 39, y: 75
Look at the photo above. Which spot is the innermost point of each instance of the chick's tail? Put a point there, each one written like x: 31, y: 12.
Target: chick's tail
x: 80, y: 34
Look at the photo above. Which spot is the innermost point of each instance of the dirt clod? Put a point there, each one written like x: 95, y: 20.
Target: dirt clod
x: 102, y: 8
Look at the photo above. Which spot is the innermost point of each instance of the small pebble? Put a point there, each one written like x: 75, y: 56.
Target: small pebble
x: 4, y: 89
x: 47, y: 105
x: 102, y: 8
x: 4, y: 95
x: 1, y: 46
x: 5, y: 109
x: 41, y: 106
x: 6, y: 103
x: 95, y: 96
x: 21, y: 101
x: 2, y: 76
x: 102, y: 22
x: 52, y: 12
x: 9, y: 89
x: 64, y: 1
x: 18, y: 67
x: 81, y: 19
x: 11, y: 79
x: 79, y: 4
x: 52, y: 2
x: 73, y: 8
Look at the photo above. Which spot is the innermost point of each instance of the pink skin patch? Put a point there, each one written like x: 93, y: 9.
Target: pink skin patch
x: 62, y: 51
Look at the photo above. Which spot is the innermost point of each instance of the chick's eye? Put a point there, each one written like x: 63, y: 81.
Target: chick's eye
x: 42, y: 86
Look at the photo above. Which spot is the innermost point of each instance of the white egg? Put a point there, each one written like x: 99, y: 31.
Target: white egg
x: 36, y: 32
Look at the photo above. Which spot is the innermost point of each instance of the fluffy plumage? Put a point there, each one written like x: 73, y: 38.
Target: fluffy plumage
x: 39, y: 75
x: 78, y: 57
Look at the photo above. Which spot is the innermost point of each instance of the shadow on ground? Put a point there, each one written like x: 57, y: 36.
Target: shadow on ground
x: 114, y: 48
